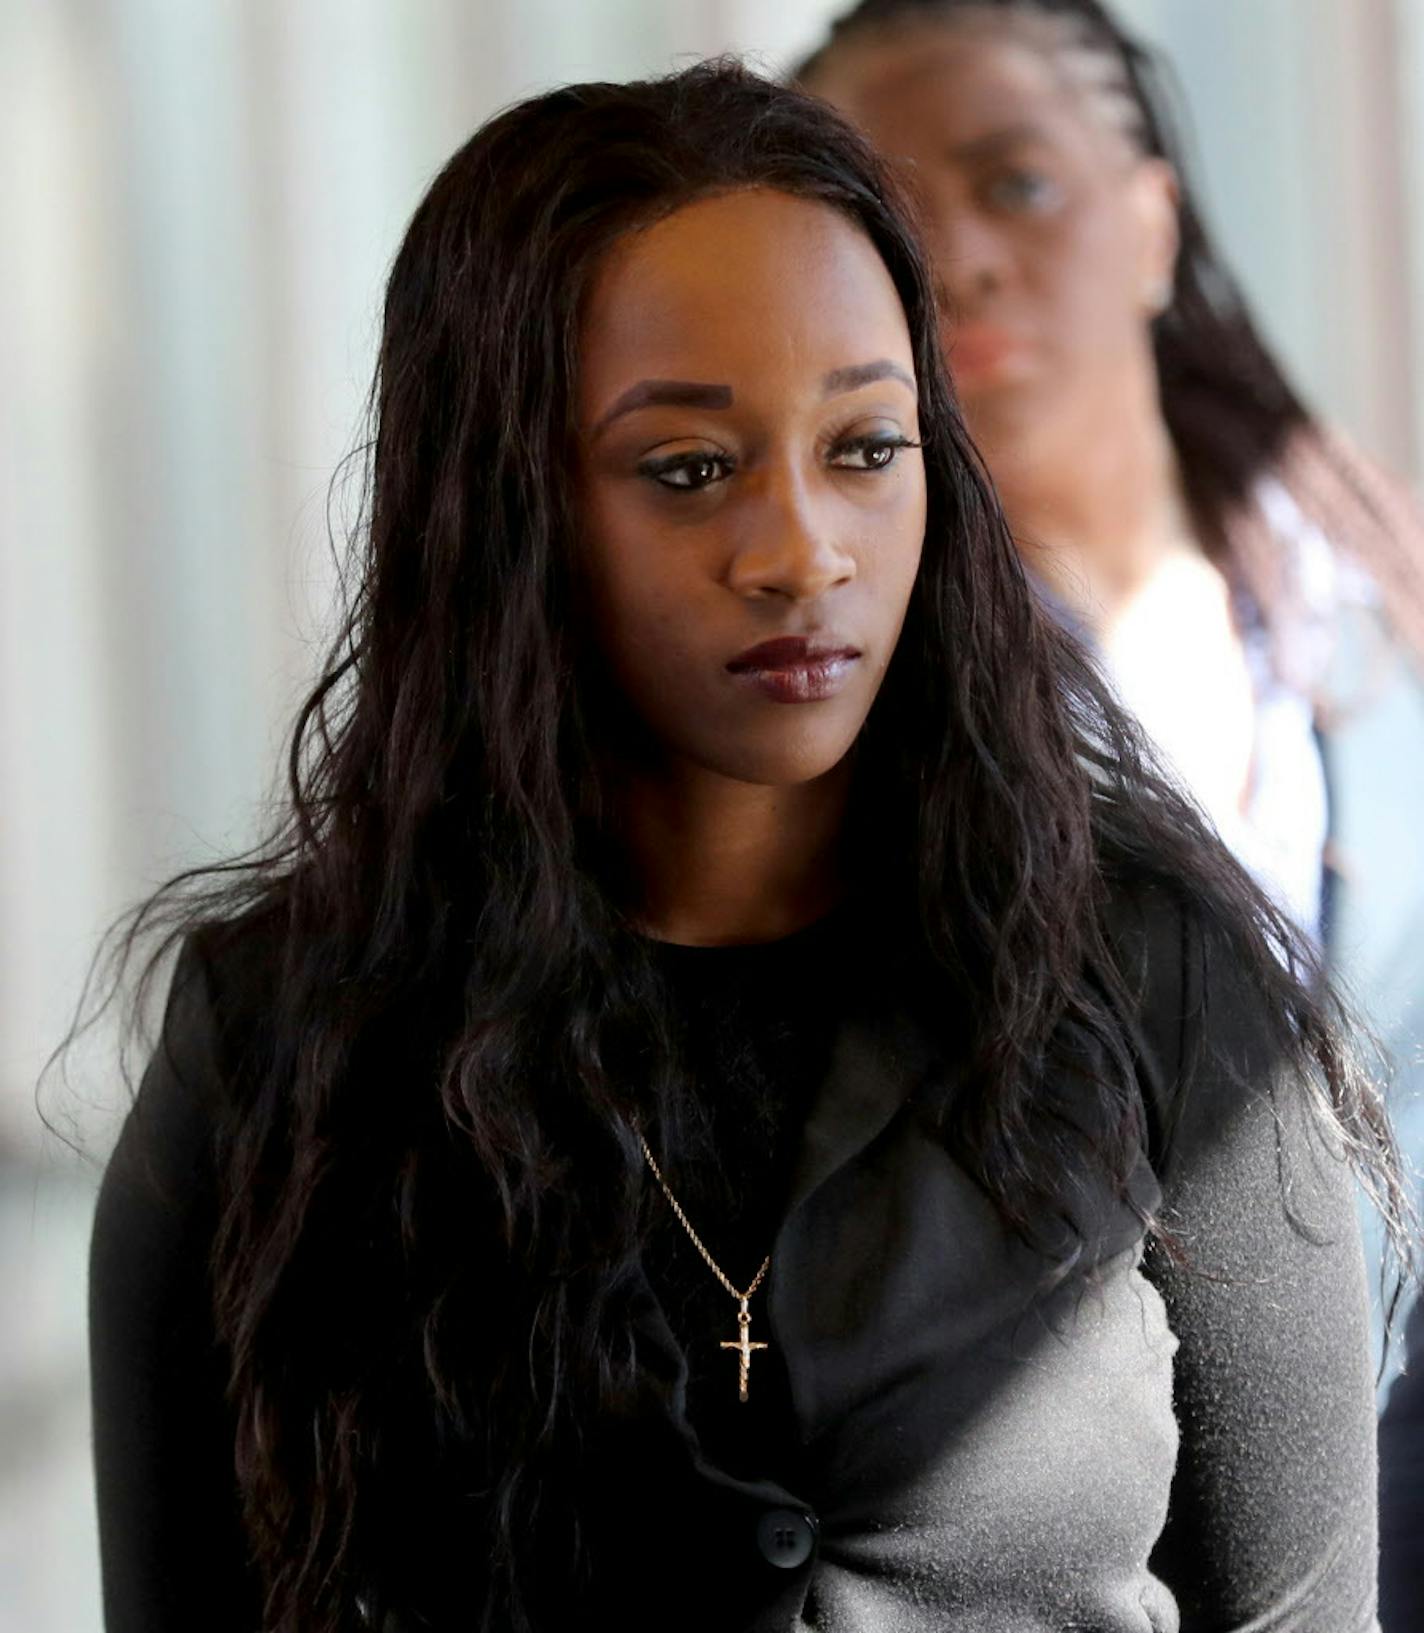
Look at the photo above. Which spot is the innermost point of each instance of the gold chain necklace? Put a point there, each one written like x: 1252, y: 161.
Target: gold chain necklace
x: 742, y: 1343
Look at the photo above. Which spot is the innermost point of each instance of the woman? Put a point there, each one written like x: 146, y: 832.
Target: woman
x: 733, y: 1083
x: 1175, y: 501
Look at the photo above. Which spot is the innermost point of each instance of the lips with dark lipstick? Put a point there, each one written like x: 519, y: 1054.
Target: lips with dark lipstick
x: 795, y: 668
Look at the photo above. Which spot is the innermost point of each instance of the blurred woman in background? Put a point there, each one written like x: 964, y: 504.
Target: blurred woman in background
x: 1174, y: 500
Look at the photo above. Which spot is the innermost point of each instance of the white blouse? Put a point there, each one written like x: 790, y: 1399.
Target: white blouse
x: 1192, y: 660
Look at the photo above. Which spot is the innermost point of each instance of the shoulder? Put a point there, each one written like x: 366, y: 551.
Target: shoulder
x: 1208, y: 1026
x: 235, y: 969
x: 218, y: 1008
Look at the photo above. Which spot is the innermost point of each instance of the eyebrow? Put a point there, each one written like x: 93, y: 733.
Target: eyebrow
x: 865, y: 374
x: 698, y: 394
x: 670, y: 393
x: 999, y: 141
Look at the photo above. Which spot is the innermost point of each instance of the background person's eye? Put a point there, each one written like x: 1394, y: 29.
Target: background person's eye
x: 869, y: 453
x: 687, y: 472
x: 1022, y: 191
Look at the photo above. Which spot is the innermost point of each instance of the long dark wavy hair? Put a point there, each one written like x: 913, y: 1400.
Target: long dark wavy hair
x: 1230, y: 409
x: 432, y: 1200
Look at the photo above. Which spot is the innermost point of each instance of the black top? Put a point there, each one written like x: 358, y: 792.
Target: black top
x: 759, y: 1023
x: 934, y: 1437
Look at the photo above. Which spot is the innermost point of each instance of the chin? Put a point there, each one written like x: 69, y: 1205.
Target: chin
x: 793, y: 761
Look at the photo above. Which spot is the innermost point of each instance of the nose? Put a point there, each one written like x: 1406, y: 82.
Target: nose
x: 969, y: 255
x: 788, y: 551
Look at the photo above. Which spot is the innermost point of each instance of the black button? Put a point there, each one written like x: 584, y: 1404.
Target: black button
x: 786, y: 1537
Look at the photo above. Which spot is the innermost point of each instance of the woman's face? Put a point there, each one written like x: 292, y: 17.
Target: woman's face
x: 751, y: 499
x: 1054, y: 241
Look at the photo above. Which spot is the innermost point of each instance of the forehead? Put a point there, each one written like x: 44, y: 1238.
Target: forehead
x: 739, y: 285
x: 950, y: 86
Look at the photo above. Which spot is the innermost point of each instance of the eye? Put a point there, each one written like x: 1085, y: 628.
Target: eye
x: 869, y: 453
x: 687, y: 472
x: 1022, y: 191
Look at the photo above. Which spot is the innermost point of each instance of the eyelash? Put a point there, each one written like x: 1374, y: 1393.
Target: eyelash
x: 658, y: 470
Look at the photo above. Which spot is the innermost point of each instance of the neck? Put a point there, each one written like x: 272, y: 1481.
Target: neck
x: 1094, y: 499
x: 715, y: 861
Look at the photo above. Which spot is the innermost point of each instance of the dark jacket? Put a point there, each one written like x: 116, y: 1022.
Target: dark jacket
x: 1139, y: 1447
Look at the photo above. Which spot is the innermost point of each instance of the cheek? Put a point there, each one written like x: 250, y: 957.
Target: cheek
x: 909, y: 535
x: 645, y: 587
x: 890, y: 562
x: 1082, y: 269
x: 647, y: 638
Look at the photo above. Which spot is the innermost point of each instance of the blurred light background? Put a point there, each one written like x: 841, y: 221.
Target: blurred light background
x: 198, y: 201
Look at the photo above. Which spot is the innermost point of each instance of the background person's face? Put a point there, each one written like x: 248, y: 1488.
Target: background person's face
x: 1052, y: 239
x: 746, y: 398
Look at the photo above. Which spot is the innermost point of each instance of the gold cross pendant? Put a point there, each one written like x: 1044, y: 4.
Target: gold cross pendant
x: 744, y: 1347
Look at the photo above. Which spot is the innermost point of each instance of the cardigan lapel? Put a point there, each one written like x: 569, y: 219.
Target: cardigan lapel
x: 877, y: 1064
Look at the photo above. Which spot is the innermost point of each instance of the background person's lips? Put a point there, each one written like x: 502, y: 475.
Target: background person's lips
x: 982, y: 349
